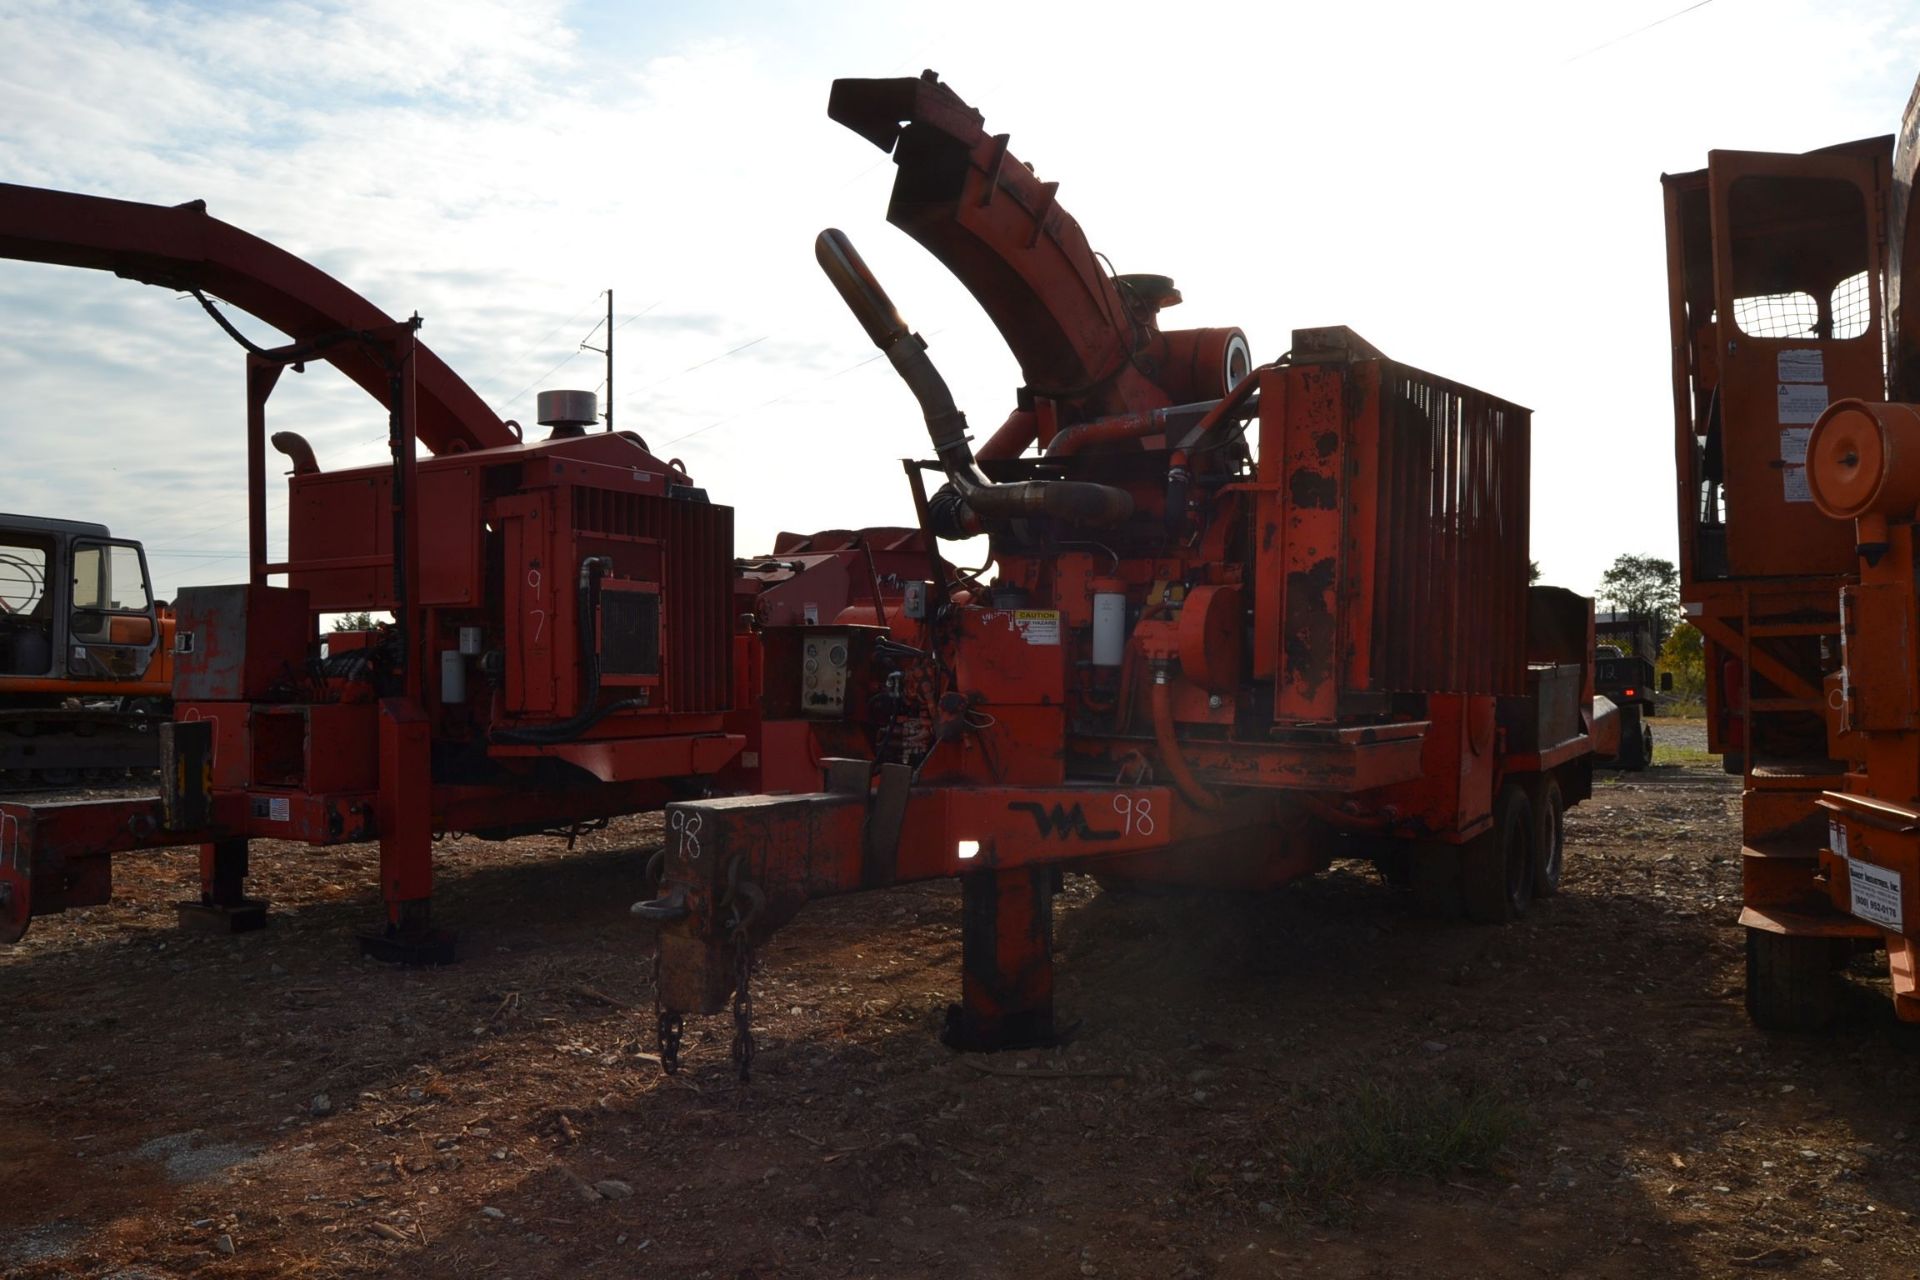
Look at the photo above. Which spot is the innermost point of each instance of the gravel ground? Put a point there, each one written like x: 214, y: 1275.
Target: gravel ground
x: 1308, y: 1082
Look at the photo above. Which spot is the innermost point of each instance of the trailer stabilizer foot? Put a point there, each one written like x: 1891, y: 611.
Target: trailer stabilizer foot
x: 1029, y: 1030
x: 244, y: 916
x: 414, y: 950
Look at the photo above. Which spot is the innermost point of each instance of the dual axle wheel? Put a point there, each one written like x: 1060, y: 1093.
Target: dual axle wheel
x: 1496, y: 876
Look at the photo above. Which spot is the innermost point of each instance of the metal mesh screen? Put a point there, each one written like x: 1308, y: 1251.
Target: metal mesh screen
x: 630, y: 633
x: 1777, y: 315
x: 1852, y: 306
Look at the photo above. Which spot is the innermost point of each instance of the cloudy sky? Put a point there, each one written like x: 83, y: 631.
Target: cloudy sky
x: 1472, y: 186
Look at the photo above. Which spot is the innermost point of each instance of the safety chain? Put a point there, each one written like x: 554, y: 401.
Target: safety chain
x: 742, y: 1001
x: 745, y: 898
x: 668, y: 1025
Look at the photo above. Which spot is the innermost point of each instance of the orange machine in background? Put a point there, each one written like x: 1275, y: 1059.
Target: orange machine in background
x: 1796, y: 496
x: 572, y: 636
x: 86, y: 654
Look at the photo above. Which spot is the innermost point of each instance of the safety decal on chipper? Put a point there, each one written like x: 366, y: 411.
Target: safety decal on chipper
x: 1038, y: 626
x: 272, y: 808
x: 1793, y: 452
x: 1876, y: 894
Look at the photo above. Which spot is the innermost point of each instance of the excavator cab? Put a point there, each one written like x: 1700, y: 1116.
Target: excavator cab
x: 76, y: 608
x: 26, y: 604
x: 111, y: 628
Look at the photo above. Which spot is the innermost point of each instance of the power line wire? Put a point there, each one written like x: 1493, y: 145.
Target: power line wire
x: 535, y: 345
x: 785, y: 395
x: 1699, y: 4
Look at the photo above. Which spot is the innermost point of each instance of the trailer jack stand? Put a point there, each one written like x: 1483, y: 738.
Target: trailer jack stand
x: 1006, y: 991
x: 224, y: 906
x: 244, y: 916
x: 409, y: 940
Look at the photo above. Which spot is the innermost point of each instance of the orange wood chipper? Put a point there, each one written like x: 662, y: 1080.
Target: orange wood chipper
x: 1245, y: 618
x: 1796, y: 327
x: 572, y: 637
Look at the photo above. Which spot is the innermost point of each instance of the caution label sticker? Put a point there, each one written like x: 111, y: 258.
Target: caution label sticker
x: 1802, y: 401
x: 1038, y: 626
x: 1876, y: 893
x: 1805, y: 365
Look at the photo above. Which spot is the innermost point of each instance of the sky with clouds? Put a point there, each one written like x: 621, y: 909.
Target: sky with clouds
x: 1473, y: 187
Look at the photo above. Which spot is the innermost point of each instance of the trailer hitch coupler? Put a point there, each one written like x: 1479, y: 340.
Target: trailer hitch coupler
x: 665, y: 910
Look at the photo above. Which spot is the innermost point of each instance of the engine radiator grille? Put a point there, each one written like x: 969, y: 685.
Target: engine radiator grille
x: 696, y: 540
x: 1450, y: 602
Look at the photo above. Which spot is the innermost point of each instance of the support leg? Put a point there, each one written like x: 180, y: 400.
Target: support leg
x: 405, y: 816
x: 224, y: 906
x: 1006, y: 991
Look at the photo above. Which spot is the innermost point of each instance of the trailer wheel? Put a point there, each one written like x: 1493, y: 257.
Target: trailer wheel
x: 1496, y: 867
x: 1549, y: 837
x: 1789, y: 981
x: 1636, y: 741
x: 16, y: 902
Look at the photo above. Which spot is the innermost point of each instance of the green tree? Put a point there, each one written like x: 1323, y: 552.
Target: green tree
x: 1684, y: 656
x: 353, y: 622
x: 1644, y: 587
x: 1533, y: 572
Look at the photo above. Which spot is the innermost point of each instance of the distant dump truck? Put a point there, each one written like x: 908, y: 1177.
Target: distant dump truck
x: 1623, y: 672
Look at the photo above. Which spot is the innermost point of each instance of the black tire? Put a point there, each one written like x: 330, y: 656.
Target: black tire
x: 1735, y: 763
x: 1496, y: 867
x: 1789, y: 981
x: 1636, y: 741
x: 1549, y: 837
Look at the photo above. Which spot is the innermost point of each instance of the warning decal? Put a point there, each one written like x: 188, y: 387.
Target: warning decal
x: 1801, y: 366
x: 1802, y: 401
x: 1793, y: 463
x: 1038, y: 626
x: 1876, y: 893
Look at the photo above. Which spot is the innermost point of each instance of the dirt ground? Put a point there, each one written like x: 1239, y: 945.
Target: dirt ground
x: 1240, y: 1099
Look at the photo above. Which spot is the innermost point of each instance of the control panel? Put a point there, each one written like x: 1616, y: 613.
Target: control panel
x: 823, y: 675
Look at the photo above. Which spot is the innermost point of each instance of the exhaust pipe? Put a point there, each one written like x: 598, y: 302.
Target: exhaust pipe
x: 1074, y: 501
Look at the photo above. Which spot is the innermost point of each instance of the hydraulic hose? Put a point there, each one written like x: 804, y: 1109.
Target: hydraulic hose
x: 1161, y: 699
x: 1076, y: 502
x: 589, y: 715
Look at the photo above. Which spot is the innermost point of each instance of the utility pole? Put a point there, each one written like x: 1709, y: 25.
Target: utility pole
x: 607, y: 351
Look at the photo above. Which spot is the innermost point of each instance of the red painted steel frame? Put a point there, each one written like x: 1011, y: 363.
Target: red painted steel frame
x: 181, y: 247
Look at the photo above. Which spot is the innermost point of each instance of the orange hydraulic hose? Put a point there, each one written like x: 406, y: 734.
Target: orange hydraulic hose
x: 1235, y: 398
x: 1162, y: 701
x: 1011, y: 439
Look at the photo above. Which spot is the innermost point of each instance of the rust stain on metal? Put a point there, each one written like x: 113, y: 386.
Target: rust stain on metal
x: 1310, y: 625
x: 1313, y: 490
